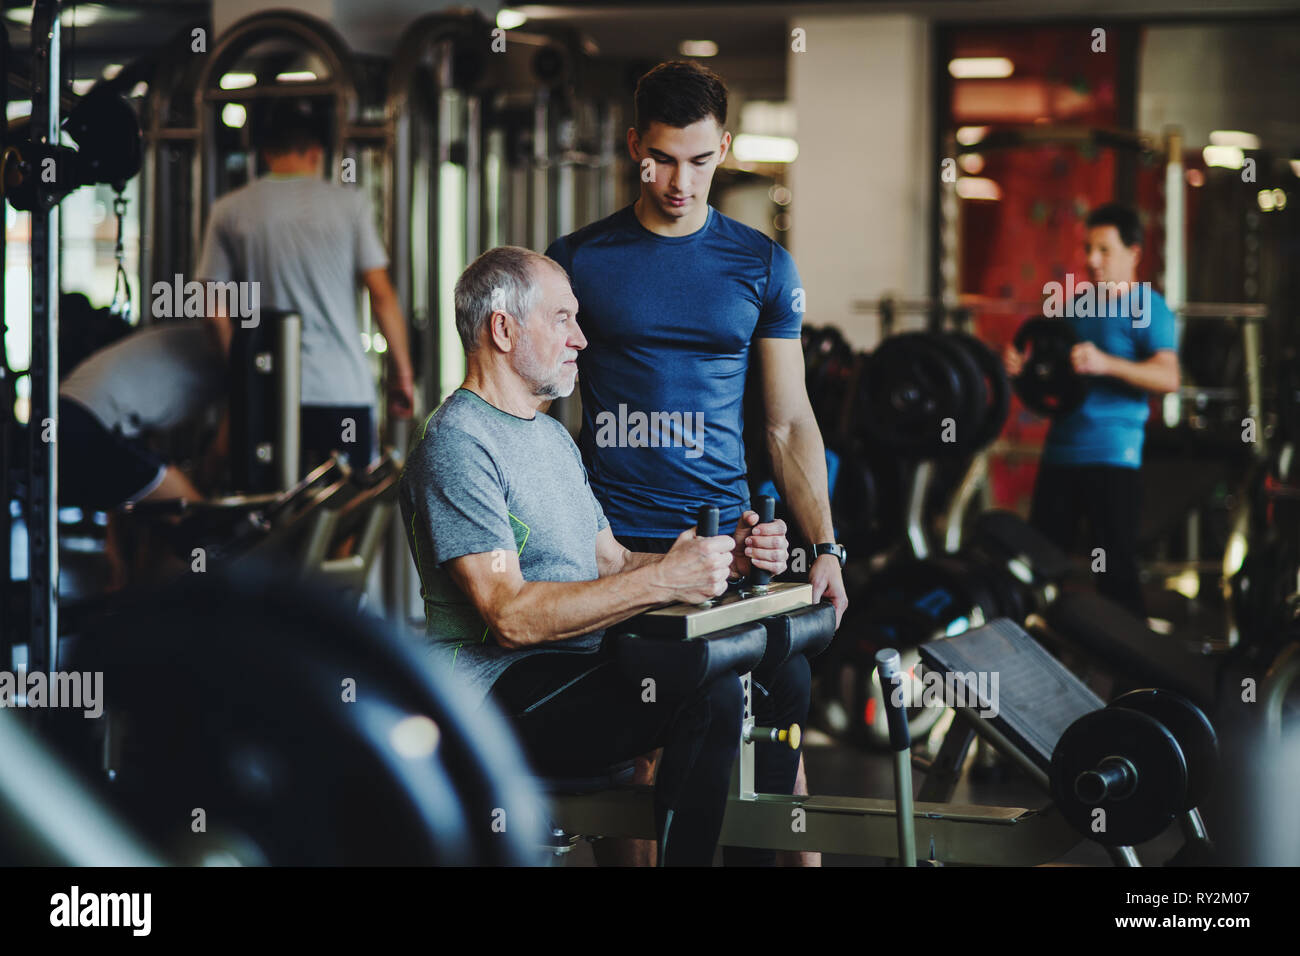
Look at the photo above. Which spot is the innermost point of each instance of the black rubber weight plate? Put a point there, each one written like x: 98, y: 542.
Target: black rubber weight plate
x: 1152, y: 749
x: 996, y: 386
x: 1195, y: 734
x: 910, y: 388
x: 969, y: 420
x: 1048, y: 383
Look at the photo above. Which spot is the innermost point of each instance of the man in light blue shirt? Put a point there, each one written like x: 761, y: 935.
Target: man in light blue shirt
x: 1091, y: 464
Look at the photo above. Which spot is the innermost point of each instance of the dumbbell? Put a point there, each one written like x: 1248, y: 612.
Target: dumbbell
x: 1121, y: 775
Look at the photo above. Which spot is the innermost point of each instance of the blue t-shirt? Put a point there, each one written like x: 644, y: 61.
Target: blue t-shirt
x: 670, y: 322
x: 1108, y: 428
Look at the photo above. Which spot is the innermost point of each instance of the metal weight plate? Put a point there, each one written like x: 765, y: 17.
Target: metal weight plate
x: 909, y: 388
x: 229, y: 691
x: 1193, y: 730
x: 996, y: 387
x: 1160, y: 786
x: 106, y: 129
x: 828, y: 364
x: 1048, y: 384
x: 858, y: 683
x: 969, y: 422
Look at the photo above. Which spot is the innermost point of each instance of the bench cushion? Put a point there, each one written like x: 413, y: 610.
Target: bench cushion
x: 806, y: 630
x: 680, y: 666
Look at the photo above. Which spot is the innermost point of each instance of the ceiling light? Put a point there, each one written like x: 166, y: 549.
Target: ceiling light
x: 981, y: 68
x: 971, y: 187
x: 238, y: 81
x: 1228, y: 157
x: 1234, y: 137
x: 698, y: 48
x: 508, y: 19
x: 749, y: 148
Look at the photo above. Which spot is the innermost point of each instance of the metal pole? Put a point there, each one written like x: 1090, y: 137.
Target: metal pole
x: 916, y: 510
x: 541, y: 233
x: 1175, y: 249
x: 976, y: 476
x: 394, y: 574
x: 1252, y: 359
x: 288, y: 437
x: 608, y: 168
x: 7, y: 633
x: 42, y: 494
x: 890, y: 667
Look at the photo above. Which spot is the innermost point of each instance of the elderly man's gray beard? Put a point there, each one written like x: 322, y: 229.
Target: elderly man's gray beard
x: 543, y: 382
x: 550, y: 390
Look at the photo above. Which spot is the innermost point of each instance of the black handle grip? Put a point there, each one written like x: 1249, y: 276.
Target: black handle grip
x: 706, y: 524
x: 766, y: 508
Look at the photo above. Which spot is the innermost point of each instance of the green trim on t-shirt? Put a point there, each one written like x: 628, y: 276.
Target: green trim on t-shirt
x: 527, y: 531
x: 519, y: 543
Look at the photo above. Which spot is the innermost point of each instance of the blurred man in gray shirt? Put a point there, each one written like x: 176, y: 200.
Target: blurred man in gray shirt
x: 310, y: 244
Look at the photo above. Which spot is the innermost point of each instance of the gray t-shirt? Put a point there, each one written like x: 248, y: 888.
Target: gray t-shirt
x: 306, y: 242
x: 476, y: 480
x: 152, y: 380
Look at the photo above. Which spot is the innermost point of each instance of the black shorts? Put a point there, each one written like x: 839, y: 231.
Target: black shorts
x: 101, y: 469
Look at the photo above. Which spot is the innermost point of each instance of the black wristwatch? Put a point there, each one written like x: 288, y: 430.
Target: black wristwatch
x: 835, y: 549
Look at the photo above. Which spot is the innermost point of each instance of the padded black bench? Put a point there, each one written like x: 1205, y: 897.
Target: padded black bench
x: 1124, y: 644
x: 1037, y: 697
x: 684, y: 664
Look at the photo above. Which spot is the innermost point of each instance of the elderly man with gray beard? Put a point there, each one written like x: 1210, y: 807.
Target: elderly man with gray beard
x: 521, y: 574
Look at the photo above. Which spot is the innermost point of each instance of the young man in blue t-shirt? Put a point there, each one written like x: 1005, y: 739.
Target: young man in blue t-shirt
x: 676, y: 300
x: 1091, y: 463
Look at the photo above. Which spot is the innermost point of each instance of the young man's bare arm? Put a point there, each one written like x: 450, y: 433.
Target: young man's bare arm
x: 525, y: 613
x: 799, y: 460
